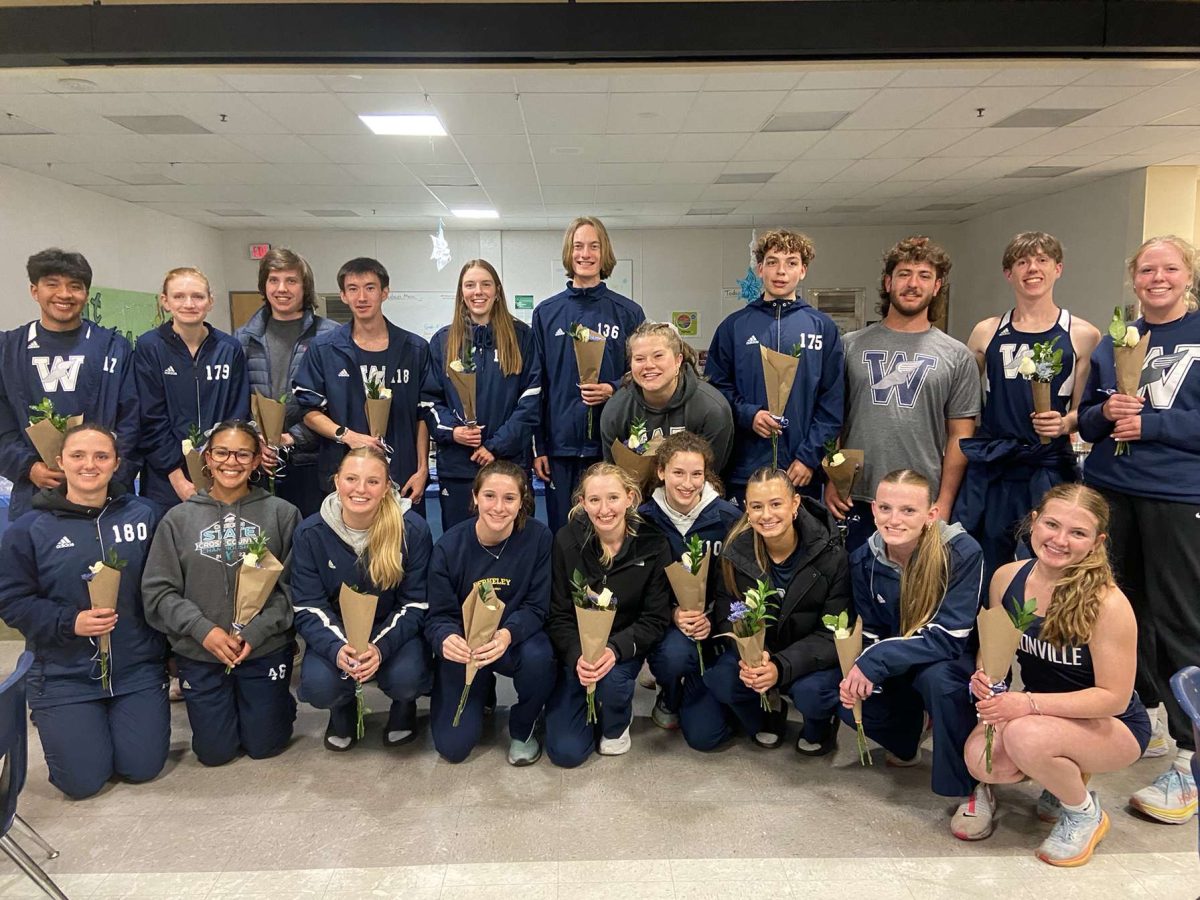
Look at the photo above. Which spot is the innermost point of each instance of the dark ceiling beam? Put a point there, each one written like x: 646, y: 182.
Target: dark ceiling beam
x: 647, y: 32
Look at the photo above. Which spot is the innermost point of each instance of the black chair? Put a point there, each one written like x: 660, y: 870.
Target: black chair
x: 14, y: 746
x: 1185, y: 685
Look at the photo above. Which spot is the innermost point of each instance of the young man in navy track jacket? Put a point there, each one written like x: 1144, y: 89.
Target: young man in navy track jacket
x: 83, y: 368
x: 331, y: 383
x: 563, y: 449
x: 781, y: 321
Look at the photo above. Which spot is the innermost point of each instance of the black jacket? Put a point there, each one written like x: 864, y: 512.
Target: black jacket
x: 637, y: 578
x: 797, y: 641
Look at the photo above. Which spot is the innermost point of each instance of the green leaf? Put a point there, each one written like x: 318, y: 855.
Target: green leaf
x: 1116, y: 328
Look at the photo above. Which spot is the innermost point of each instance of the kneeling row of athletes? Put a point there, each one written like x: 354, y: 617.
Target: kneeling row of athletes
x: 916, y: 585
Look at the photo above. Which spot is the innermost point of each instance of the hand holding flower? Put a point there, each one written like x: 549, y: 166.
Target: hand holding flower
x: 1128, y: 429
x: 759, y: 678
x: 361, y: 667
x: 95, y: 622
x: 765, y: 424
x: 456, y: 649
x: 854, y: 687
x: 488, y: 653
x: 468, y: 435
x: 224, y: 646
x: 591, y: 674
x: 693, y: 623
x: 981, y: 685
x: 1003, y: 708
x: 595, y: 394
x: 1122, y: 406
x: 245, y: 651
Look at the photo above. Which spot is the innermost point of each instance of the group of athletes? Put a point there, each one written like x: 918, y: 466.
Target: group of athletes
x: 966, y: 498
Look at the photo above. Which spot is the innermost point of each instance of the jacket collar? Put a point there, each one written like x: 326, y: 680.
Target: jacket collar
x: 815, y: 535
x: 879, y: 551
x: 588, y: 293
x: 256, y: 325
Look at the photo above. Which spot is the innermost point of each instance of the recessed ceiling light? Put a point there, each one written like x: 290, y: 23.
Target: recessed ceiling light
x: 1044, y: 118
x: 476, y: 213
x: 413, y: 125
x: 567, y: 151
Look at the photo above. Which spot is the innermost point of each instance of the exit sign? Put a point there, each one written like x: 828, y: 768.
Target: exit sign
x: 258, y: 251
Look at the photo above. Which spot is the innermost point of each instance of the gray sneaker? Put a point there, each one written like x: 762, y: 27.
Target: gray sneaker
x: 1048, y: 807
x: 524, y: 753
x: 1074, y: 837
x: 663, y: 717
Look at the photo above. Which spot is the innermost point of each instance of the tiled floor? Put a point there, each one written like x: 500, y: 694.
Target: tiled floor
x: 660, y: 822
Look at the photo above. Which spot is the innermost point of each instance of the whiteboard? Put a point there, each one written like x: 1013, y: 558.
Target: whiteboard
x: 421, y: 312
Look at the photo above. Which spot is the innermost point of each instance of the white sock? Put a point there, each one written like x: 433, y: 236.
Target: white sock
x: 1183, y: 761
x: 1087, y: 807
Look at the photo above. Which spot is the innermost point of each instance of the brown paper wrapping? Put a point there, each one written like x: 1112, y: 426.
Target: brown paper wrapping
x: 464, y: 384
x: 848, y: 650
x: 689, y: 589
x: 102, y: 591
x: 269, y: 414
x: 844, y: 476
x: 588, y: 357
x: 779, y: 373
x: 194, y: 460
x: 48, y: 440
x: 998, y: 642
x: 641, y: 466
x: 358, y: 617
x: 378, y: 411
x: 595, y: 625
x: 254, y: 586
x: 1041, y: 401
x: 1128, y: 362
x: 479, y: 623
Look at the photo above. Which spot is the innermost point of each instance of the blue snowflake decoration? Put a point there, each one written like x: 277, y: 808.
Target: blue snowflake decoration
x: 751, y: 287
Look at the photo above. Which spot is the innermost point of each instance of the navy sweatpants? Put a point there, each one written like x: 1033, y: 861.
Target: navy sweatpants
x: 88, y: 743
x: 454, y: 495
x: 565, y: 472
x: 570, y: 740
x: 895, y: 718
x: 403, y: 677
x: 250, y: 710
x: 530, y: 664
x: 711, y: 702
x: 671, y: 660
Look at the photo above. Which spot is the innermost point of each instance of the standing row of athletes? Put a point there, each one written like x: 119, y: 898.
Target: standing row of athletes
x: 901, y: 390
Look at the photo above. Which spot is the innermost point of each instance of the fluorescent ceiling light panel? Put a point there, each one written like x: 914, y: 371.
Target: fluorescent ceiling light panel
x: 476, y: 213
x: 237, y: 213
x: 710, y: 211
x: 850, y: 208
x: 11, y: 124
x: 745, y: 178
x: 418, y: 125
x: 450, y: 181
x: 333, y: 213
x: 144, y: 178
x: 1043, y: 171
x: 159, y: 124
x: 804, y: 121
x: 944, y: 207
x: 1044, y: 118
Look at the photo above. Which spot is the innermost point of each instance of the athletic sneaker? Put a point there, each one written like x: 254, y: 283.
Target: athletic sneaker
x: 1158, y: 745
x: 1074, y: 836
x: 616, y: 746
x: 1049, y: 807
x: 339, y: 733
x: 646, y: 677
x: 401, y: 724
x: 663, y: 717
x: 524, y: 753
x: 975, y: 818
x: 897, y: 763
x: 773, y: 728
x: 1171, y: 798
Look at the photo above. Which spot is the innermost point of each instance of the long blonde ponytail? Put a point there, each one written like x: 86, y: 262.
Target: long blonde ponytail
x: 384, y: 553
x: 926, y: 576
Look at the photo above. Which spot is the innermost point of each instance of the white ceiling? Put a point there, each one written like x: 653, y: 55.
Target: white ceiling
x: 642, y: 147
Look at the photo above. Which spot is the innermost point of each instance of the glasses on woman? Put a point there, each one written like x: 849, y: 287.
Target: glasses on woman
x: 221, y: 454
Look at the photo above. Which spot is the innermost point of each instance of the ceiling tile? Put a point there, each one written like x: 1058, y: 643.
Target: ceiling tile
x: 576, y: 193
x: 988, y: 141
x: 506, y: 173
x: 615, y: 148
x: 998, y: 103
x: 645, y: 192
x: 731, y: 111
x: 820, y: 76
x: 240, y: 115
x: 630, y: 173
x: 1183, y: 117
x: 778, y: 145
x: 1144, y: 74
x: 561, y: 80
x: 651, y: 113
x: 564, y: 114
x: 492, y: 149
x: 900, y: 108
x: 320, y: 113
x: 811, y: 170
x: 1148, y: 106
x: 872, y: 170
x: 1062, y: 140
x: 383, y: 105
x: 201, y: 148
x: 568, y: 173
x: 941, y: 75
x: 729, y: 192
x: 935, y: 167
x: 1145, y: 139
x: 567, y: 148
x: 58, y: 114
x: 274, y: 82
x: 474, y: 198
x: 825, y: 100
x: 918, y: 142
x: 372, y: 81
x: 841, y: 144
x: 656, y: 81
x: 689, y: 172
x: 272, y: 148
x: 360, y: 149
x: 464, y: 114
x: 705, y: 147
x: 761, y: 79
x: 465, y: 81
x: 1077, y: 97
x: 1034, y: 74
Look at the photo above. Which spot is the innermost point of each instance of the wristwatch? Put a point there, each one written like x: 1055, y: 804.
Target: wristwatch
x: 339, y: 434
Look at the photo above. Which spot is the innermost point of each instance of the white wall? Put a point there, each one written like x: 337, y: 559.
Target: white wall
x: 1099, y: 224
x: 673, y: 269
x: 128, y: 247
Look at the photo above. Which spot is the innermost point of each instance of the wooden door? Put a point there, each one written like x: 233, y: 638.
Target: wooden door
x: 242, y: 305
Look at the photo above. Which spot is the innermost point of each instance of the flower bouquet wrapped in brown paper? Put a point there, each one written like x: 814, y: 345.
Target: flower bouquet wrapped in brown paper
x: 462, y: 376
x: 256, y: 578
x: 482, y: 611
x: 689, y: 582
x: 1039, y: 367
x: 1129, y: 356
x: 47, y: 430
x: 1000, y: 631
x: 842, y: 467
x: 193, y: 449
x: 594, y: 616
x: 848, y: 643
x: 779, y: 374
x: 635, y: 454
x: 269, y: 414
x: 104, y: 584
x: 749, y: 617
x: 358, y: 619
x: 589, y: 355
x: 378, y: 407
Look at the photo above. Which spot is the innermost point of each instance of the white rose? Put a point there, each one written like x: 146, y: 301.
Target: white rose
x: 585, y: 334
x: 751, y: 601
x: 1027, y: 367
x: 385, y: 393
x: 1131, y: 337
x: 604, y: 598
x: 187, y: 446
x: 250, y: 559
x: 841, y: 634
x: 635, y: 441
x: 96, y: 567
x: 456, y: 365
x: 837, y: 460
x: 686, y: 559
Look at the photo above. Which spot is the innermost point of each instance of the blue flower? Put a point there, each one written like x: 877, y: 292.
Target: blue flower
x: 737, y: 611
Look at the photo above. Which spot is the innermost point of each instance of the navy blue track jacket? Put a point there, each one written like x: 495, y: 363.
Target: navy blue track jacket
x: 47, y: 552
x: 86, y: 372
x: 506, y: 406
x: 563, y: 426
x: 521, y: 578
x: 322, y: 562
x: 177, y: 391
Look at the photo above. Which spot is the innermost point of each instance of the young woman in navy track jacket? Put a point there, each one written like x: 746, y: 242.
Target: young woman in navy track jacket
x: 563, y: 446
x: 187, y: 374
x: 790, y: 543
x: 507, y: 393
x: 613, y: 548
x: 366, y: 538
x: 1154, y: 493
x: 1078, y: 711
x: 89, y: 733
x: 688, y: 503
x: 235, y: 685
x: 917, y: 585
x: 506, y: 544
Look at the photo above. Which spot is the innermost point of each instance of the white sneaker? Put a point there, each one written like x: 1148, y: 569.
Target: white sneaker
x: 1170, y: 798
x: 616, y: 746
x: 1158, y: 745
x: 975, y: 818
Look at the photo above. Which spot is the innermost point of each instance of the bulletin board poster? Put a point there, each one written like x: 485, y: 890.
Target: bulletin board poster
x: 131, y: 313
x: 686, y: 321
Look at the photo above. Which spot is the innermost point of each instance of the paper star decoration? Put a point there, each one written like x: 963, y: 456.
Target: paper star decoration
x: 750, y: 287
x: 441, y: 250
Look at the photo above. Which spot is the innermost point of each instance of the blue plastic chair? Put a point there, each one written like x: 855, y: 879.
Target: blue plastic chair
x: 14, y: 746
x: 1185, y: 685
